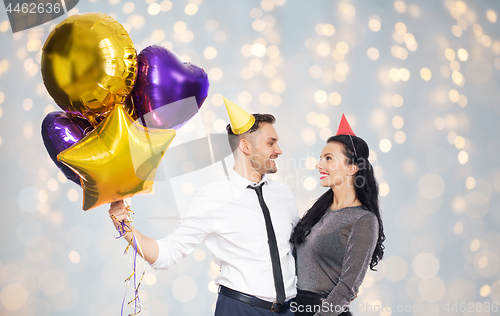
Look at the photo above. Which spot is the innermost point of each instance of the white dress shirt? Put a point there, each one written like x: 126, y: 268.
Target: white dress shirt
x: 227, y: 216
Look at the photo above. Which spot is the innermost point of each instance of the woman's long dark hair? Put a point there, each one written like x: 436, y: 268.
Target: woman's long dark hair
x: 366, y: 188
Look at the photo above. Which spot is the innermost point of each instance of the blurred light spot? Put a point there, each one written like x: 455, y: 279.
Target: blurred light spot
x: 278, y: 86
x: 258, y: 50
x: 61, y: 177
x: 373, y: 53
x: 432, y: 289
x: 52, y: 184
x: 323, y: 49
x: 308, y: 136
x: 398, y: 122
x: 246, y: 73
x: 478, y: 204
x: 385, y: 145
x: 213, y: 288
x: 328, y: 29
x: 342, y: 47
x: 191, y: 9
x: 74, y: 256
x: 384, y: 189
x: 462, y: 101
x: 136, y: 21
x: 458, y: 228
x: 180, y: 27
x: 128, y: 7
x: 150, y: 279
x: 273, y: 51
x: 346, y: 9
x: 312, y: 117
x: 210, y: 52
x: 259, y: 25
x: 491, y: 16
x: 166, y: 6
x: 4, y: 26
x: 449, y: 54
x: 459, y: 204
x: 486, y: 263
x: 215, y: 74
x: 14, y: 296
x: 454, y: 95
x: 462, y: 54
x: 335, y: 98
x: 431, y: 186
x: 374, y: 23
x: 474, y: 245
x: 154, y: 9
x: 426, y: 74
x: 486, y: 40
x: 463, y: 157
x: 211, y: 25
x: 267, y: 5
x: 485, y: 290
x: 245, y: 97
x: 320, y: 96
x: 314, y: 71
x: 457, y: 77
x: 199, y: 254
x: 184, y: 289
x: 456, y: 30
x: 372, y: 156
x: 187, y: 37
x: 2, y: 98
x: 396, y: 268
x: 397, y: 100
x: 266, y: 98
x: 400, y: 6
x: 399, y: 52
x: 42, y: 196
x: 72, y: 195
x: 310, y: 183
x: 400, y: 28
x: 322, y: 120
x: 219, y: 126
x: 400, y: 137
x: 256, y: 13
x: 157, y: 35
x: 425, y: 265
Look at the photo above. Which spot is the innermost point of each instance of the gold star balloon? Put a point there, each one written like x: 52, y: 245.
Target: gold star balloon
x: 118, y: 159
x: 89, y: 63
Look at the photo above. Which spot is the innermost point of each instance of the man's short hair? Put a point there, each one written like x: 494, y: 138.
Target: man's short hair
x: 260, y: 119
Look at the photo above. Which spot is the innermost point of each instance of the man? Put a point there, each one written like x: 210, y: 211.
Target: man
x: 245, y: 221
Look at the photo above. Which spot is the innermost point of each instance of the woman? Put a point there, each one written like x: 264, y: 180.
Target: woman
x: 342, y: 233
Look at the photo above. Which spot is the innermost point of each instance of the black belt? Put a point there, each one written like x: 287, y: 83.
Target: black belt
x: 253, y: 301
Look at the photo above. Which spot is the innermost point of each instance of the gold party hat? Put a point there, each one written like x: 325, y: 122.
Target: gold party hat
x: 241, y: 121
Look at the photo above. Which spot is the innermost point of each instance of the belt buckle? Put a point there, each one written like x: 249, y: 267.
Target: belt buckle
x: 276, y: 307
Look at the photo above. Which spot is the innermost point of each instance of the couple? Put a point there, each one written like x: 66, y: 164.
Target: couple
x: 251, y: 225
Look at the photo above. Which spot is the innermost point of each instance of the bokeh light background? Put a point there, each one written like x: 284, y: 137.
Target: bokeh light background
x: 418, y: 80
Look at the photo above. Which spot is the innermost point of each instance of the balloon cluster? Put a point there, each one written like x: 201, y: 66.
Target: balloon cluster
x: 120, y: 109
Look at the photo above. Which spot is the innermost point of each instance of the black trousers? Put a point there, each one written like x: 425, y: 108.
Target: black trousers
x: 308, y: 303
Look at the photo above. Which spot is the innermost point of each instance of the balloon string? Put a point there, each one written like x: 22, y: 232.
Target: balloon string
x: 125, y: 228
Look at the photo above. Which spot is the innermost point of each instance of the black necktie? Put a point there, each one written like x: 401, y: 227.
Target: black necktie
x: 273, y: 247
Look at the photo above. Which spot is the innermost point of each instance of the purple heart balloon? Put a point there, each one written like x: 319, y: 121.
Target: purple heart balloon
x: 59, y: 132
x: 168, y: 91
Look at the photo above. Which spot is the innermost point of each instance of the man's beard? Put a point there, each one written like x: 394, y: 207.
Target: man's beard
x: 261, y: 167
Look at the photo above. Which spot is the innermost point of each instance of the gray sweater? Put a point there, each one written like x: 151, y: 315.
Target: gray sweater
x: 336, y: 254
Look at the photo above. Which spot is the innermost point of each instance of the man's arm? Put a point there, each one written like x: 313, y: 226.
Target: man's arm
x: 119, y: 213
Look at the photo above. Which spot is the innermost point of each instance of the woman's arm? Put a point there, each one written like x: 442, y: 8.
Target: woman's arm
x: 359, y: 250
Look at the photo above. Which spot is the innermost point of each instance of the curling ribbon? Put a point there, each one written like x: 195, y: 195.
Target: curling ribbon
x: 125, y: 229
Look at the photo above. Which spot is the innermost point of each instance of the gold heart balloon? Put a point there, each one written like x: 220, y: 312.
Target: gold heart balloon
x: 89, y: 63
x: 118, y: 159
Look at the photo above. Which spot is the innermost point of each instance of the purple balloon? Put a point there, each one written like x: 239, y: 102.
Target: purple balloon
x: 59, y: 132
x: 168, y: 91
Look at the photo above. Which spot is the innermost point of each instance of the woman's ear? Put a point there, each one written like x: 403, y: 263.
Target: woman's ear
x: 352, y: 170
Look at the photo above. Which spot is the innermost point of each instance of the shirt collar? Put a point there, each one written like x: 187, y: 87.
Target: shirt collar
x: 241, y: 182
